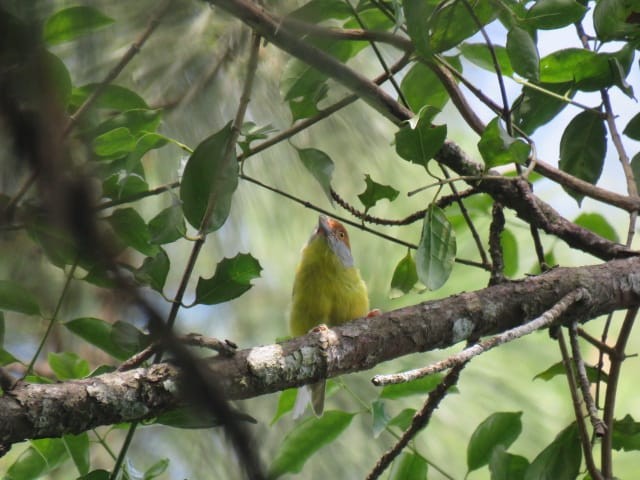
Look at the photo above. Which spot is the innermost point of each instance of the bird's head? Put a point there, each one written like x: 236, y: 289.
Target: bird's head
x: 333, y: 233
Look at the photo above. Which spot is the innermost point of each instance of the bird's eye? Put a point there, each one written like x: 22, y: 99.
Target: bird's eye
x: 341, y: 234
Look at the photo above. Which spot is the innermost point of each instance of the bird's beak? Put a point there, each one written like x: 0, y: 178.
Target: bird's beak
x: 323, y: 226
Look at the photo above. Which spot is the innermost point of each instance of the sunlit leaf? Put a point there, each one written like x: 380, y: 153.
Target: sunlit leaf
x: 583, y: 147
x: 68, y: 365
x: 409, y: 466
x: 552, y: 14
x: 156, y: 469
x: 231, y: 279
x: 560, y: 460
x: 6, y: 358
x: 375, y: 191
x: 114, y: 143
x: 417, y: 13
x: 405, y: 276
x: 209, y: 177
x: 420, y: 87
x: 320, y: 165
x: 498, y: 429
x: 138, y: 121
x: 98, y: 333
x: 523, y: 53
x: 497, y: 147
x: 306, y: 439
x: 43, y: 456
x: 597, y: 224
x: 73, y: 22
x: 16, y: 298
x: 437, y: 249
x: 421, y: 386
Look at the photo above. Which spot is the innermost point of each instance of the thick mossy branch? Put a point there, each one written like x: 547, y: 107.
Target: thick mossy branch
x: 35, y: 411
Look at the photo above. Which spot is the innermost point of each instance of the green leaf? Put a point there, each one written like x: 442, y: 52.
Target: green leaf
x: 497, y: 147
x: 597, y: 224
x: 320, y: 165
x: 231, y: 279
x: 437, y: 249
x: 552, y: 14
x: 419, y: 142
x: 509, y: 246
x: 420, y: 87
x: 583, y: 147
x: 139, y: 122
x: 506, y: 466
x: 114, y: 143
x: 168, y: 225
x: 480, y: 55
x: 17, y: 298
x: 417, y: 14
x: 409, y: 466
x: 452, y: 23
x: 97, y: 332
x: 113, y: 97
x: 626, y: 434
x: 316, y: 11
x: 632, y: 130
x: 535, y: 108
x: 96, y: 475
x: 209, y: 177
x: 560, y: 460
x: 379, y: 416
x: 58, y: 76
x: 124, y: 185
x: 403, y: 419
x: 558, y: 369
x: 156, y: 469
x: 498, y: 429
x: 68, y: 365
x: 375, y: 191
x: 405, y: 276
x: 306, y: 439
x: 612, y: 20
x: 130, y: 227
x: 286, y: 402
x: 154, y: 271
x: 78, y: 448
x: 128, y: 338
x: 73, y: 22
x: 7, y: 358
x: 43, y: 456
x: 2, y: 328
x: 420, y: 386
x: 523, y: 53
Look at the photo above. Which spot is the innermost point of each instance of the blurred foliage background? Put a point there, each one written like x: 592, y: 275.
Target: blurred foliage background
x: 192, y: 69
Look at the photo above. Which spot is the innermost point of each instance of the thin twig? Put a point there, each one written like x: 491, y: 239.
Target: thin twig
x: 547, y: 318
x: 575, y: 400
x: 596, y: 343
x: 583, y: 380
x: 612, y: 387
x: 420, y: 421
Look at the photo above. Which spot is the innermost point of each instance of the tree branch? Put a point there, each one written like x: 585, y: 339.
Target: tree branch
x: 44, y: 410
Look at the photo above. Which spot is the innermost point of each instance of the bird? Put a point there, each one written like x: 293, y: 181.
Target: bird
x: 327, y: 290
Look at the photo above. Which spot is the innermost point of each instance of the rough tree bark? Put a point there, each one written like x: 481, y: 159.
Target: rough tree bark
x: 41, y: 410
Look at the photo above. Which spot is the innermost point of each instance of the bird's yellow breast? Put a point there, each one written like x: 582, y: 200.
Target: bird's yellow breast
x: 325, y: 291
